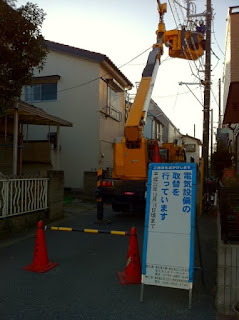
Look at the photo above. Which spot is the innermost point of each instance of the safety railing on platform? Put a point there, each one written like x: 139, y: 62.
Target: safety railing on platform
x: 18, y: 196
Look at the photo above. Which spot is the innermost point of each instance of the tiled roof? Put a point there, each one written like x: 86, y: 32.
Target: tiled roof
x: 85, y: 54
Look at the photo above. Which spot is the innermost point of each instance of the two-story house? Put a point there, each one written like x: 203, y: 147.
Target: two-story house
x: 87, y: 89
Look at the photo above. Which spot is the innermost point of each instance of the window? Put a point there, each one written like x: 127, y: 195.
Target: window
x: 113, y: 104
x: 41, y: 92
x: 113, y: 98
x: 190, y: 147
x: 156, y: 130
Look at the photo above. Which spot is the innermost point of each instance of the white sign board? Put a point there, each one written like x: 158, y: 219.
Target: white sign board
x: 168, y: 250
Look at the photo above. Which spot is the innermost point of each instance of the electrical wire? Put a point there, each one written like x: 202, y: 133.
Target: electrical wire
x: 214, y: 97
x: 134, y: 58
x: 213, y: 32
x: 199, y: 58
x: 215, y: 54
x: 215, y: 65
x: 180, y: 5
x: 176, y: 98
x: 173, y: 95
x: 180, y: 24
x: 172, y: 13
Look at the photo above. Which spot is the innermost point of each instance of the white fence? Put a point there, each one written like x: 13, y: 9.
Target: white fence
x: 18, y: 196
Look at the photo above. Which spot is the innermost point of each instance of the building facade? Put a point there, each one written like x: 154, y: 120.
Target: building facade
x: 158, y: 126
x: 88, y: 90
x: 231, y: 88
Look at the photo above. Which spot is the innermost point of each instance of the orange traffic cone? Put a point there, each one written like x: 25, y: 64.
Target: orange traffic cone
x: 156, y: 155
x: 132, y: 273
x: 40, y: 259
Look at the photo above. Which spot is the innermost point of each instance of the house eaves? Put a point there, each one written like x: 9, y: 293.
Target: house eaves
x: 92, y: 56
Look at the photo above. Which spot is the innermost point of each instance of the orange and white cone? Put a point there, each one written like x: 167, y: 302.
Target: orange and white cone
x: 156, y: 154
x: 132, y: 272
x: 40, y: 259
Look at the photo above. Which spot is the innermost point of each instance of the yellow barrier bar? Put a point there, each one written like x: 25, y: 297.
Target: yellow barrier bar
x: 119, y: 233
x: 112, y: 232
x: 65, y: 229
x: 54, y: 228
x: 91, y: 230
x: 61, y: 229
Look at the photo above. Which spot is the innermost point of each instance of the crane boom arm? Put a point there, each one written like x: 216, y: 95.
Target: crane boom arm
x: 136, y: 120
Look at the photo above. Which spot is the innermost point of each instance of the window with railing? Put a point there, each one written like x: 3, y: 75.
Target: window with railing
x: 113, y: 104
x: 114, y: 113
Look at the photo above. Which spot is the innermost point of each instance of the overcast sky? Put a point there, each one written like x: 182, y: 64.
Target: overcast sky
x: 124, y: 29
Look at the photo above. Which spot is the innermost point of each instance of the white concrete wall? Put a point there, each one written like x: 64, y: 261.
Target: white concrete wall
x: 79, y: 144
x: 196, y: 154
x: 173, y: 134
x: 227, y: 275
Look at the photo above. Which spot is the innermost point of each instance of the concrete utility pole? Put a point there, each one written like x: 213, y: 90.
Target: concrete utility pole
x: 206, y: 114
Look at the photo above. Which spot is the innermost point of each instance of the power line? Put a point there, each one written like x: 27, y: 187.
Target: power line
x: 181, y: 6
x: 173, y: 95
x: 213, y: 32
x: 214, y: 97
x: 134, y: 58
x: 172, y: 13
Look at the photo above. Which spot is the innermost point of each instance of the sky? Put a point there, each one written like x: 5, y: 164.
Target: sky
x: 124, y: 29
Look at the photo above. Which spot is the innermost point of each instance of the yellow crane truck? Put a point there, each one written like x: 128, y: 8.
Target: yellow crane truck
x: 125, y: 188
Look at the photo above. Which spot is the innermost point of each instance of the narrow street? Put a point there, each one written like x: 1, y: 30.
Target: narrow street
x: 85, y: 284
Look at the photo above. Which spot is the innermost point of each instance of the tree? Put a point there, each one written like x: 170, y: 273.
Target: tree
x: 22, y: 49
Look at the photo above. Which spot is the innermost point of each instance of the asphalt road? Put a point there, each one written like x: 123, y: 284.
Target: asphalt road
x: 85, y: 284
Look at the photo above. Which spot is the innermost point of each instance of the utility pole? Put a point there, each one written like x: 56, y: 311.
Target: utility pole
x: 206, y: 109
x: 211, y: 135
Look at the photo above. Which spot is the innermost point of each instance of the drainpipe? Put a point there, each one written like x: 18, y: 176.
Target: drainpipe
x: 15, y: 140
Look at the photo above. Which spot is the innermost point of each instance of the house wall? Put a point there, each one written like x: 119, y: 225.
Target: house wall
x: 227, y: 63
x: 77, y: 103
x: 234, y: 47
x: 231, y: 69
x: 196, y: 154
x: 173, y: 133
x: 109, y: 128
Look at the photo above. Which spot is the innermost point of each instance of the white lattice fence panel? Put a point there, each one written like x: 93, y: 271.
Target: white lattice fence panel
x: 19, y: 196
